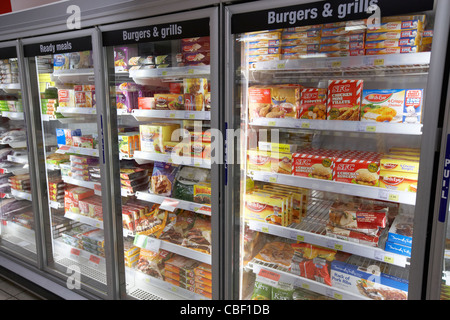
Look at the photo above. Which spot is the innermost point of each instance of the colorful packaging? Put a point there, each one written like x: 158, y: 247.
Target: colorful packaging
x: 397, y: 25
x: 313, y: 104
x: 393, y: 163
x: 264, y: 209
x: 344, y: 99
x: 401, y: 230
x: 392, y: 50
x: 276, y: 101
x: 152, y: 137
x: 356, y: 170
x: 369, y: 284
x: 399, y: 181
x: 392, y: 105
x: 393, y: 35
x: 313, y: 165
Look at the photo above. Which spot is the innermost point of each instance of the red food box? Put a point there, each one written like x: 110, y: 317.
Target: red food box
x: 313, y: 104
x: 314, y: 164
x: 357, y: 170
x: 344, y: 99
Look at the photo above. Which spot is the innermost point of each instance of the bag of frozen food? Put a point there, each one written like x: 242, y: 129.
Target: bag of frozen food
x: 199, y: 236
x: 185, y: 180
x: 152, y: 263
x: 175, y: 230
x: 151, y: 223
x: 162, y: 178
x: 261, y: 291
x: 276, y: 252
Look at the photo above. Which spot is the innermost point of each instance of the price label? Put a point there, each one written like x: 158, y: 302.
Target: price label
x: 153, y: 244
x: 378, y: 62
x: 271, y: 123
x: 305, y: 286
x: 164, y: 73
x: 273, y: 179
x: 305, y: 125
x: 171, y: 115
x: 338, y: 246
x: 94, y: 261
x: 393, y: 197
x: 169, y: 204
x: 191, y: 116
x: 300, y: 238
x: 190, y: 71
x: 371, y: 128
x: 265, y: 229
x: 336, y: 64
x: 388, y: 259
x: 269, y: 277
x: 74, y: 253
x: 337, y: 296
x: 281, y: 66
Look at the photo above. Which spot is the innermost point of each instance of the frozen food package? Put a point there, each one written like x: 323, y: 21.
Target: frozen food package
x: 163, y: 177
x: 175, y: 230
x: 344, y: 99
x: 199, y: 236
x: 152, y: 263
x: 276, y: 252
x: 186, y: 179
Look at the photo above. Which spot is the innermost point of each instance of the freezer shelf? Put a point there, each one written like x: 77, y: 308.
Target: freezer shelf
x: 186, y: 205
x: 154, y: 244
x: 284, y: 276
x: 336, y: 187
x: 388, y: 62
x: 149, y: 115
x: 13, y: 115
x: 150, y: 288
x: 340, y: 125
x: 168, y: 158
x: 77, y: 150
x: 312, y: 230
x: 142, y: 76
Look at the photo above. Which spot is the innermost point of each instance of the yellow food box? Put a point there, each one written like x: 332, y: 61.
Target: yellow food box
x: 400, y: 165
x: 278, y: 192
x: 276, y: 162
x: 392, y: 43
x: 277, y: 147
x: 300, y: 198
x: 398, y: 181
x: 397, y: 25
x: 262, y: 36
x: 276, y: 101
x: 153, y: 136
x: 265, y: 209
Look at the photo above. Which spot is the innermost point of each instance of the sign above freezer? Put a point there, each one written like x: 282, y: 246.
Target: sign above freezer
x: 61, y: 46
x: 167, y: 31
x: 324, y: 12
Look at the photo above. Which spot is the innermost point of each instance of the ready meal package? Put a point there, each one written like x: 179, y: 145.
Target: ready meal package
x: 352, y: 235
x: 152, y: 263
x: 186, y: 180
x: 344, y: 99
x: 277, y: 101
x: 277, y: 252
x: 313, y: 104
x: 277, y: 162
x: 399, y: 163
x: 199, y: 236
x: 401, y: 230
x: 279, y: 194
x: 369, y: 281
x: 392, y: 105
x: 152, y: 137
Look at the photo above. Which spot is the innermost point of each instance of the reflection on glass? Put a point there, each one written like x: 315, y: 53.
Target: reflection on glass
x: 68, y: 113
x: 16, y: 214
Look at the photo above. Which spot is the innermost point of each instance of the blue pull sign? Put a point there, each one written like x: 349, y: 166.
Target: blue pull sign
x: 445, y: 183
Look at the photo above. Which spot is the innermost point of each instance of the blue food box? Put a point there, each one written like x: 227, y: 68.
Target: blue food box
x: 64, y: 136
x: 401, y: 230
x: 397, y: 248
x: 367, y: 282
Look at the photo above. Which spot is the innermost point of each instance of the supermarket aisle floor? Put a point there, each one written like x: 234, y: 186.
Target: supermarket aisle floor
x: 12, y: 291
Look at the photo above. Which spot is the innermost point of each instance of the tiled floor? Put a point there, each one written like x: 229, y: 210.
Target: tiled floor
x: 11, y: 291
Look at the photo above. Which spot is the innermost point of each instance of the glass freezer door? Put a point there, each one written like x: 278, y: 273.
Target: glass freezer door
x: 62, y: 76
x: 331, y: 118
x: 17, y: 219
x: 160, y: 89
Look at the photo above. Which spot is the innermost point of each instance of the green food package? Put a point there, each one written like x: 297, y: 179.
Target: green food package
x: 261, y: 291
x: 282, y: 291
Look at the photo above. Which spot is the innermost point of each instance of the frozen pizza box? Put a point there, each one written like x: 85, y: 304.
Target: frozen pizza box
x: 344, y: 99
x: 401, y: 230
x: 368, y: 281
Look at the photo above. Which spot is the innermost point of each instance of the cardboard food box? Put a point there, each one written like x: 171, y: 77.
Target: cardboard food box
x: 392, y: 43
x: 277, y: 162
x: 397, y: 25
x: 202, y: 192
x: 393, y: 35
x: 326, y: 47
x: 357, y: 170
x: 164, y: 101
x: 392, y: 50
x: 319, y: 166
x: 343, y: 38
x: 302, y: 49
x: 153, y: 136
x: 265, y: 209
x: 393, y: 163
x: 263, y: 43
x: 256, y: 36
x: 299, y: 42
x: 313, y: 104
x: 392, y: 105
x: 368, y: 282
x: 399, y: 181
x: 397, y: 248
x: 276, y: 101
x: 344, y: 99
x: 267, y: 50
x: 279, y: 194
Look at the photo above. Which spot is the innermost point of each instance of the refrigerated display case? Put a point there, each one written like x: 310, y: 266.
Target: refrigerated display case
x: 17, y: 229
x: 163, y: 103
x: 336, y: 113
x: 65, y: 99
